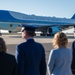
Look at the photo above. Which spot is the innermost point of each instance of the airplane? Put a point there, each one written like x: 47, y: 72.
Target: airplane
x: 12, y: 21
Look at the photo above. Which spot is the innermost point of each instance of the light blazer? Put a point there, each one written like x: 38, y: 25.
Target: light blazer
x: 59, y: 62
x: 30, y: 57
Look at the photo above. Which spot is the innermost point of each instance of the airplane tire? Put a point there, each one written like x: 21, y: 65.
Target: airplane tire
x: 50, y: 34
x: 10, y: 31
x: 42, y: 34
x: 0, y: 34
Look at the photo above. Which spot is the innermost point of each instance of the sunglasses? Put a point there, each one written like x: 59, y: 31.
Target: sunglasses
x: 22, y: 30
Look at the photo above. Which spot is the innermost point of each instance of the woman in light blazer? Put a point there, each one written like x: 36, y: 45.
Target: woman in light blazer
x: 60, y: 58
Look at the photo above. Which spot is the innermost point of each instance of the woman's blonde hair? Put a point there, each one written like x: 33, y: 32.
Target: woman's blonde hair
x: 60, y: 40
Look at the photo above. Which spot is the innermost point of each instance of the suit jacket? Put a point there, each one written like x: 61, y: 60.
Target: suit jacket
x: 30, y: 57
x: 59, y: 62
x: 73, y: 59
x: 7, y: 64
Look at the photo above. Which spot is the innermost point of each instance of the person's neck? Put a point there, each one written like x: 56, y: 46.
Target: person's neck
x: 29, y: 38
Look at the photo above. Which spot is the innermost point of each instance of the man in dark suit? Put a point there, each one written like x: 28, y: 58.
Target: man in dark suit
x: 30, y: 55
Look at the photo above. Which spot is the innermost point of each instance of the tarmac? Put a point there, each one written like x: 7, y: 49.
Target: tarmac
x: 13, y: 40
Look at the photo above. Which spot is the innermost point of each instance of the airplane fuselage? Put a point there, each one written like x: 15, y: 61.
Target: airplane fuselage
x: 11, y: 21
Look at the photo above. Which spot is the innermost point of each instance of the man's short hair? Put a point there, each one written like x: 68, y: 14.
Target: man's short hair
x: 29, y: 29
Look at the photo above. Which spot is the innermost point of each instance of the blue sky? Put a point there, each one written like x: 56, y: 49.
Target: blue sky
x: 57, y: 8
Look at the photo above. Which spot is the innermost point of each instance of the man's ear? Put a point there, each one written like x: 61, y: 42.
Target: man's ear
x: 25, y: 33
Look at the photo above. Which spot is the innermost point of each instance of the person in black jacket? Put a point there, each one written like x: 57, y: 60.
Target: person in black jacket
x: 7, y: 61
x: 73, y: 60
x: 30, y: 55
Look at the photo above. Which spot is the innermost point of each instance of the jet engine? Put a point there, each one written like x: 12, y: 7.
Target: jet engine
x: 52, y: 30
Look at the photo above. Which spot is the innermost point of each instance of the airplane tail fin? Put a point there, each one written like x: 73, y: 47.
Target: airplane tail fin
x: 73, y: 17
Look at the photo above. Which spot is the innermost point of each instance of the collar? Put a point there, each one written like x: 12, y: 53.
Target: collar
x: 29, y: 39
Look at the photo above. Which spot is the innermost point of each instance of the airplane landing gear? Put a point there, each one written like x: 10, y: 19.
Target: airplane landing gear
x: 43, y: 34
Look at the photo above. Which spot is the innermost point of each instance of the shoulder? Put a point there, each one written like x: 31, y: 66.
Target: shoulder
x: 10, y: 59
x: 10, y: 56
x: 39, y: 45
x: 61, y: 50
x: 73, y: 43
x: 54, y: 52
x: 7, y: 54
x: 21, y: 45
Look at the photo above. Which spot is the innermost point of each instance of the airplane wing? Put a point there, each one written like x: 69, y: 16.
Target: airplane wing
x: 52, y: 29
x: 61, y: 26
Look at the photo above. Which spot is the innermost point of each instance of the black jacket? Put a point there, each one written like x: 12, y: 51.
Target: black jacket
x: 73, y: 60
x: 7, y: 64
